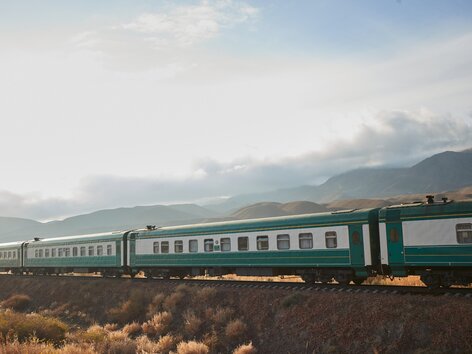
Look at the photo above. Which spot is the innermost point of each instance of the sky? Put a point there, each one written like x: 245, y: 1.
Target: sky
x: 106, y: 104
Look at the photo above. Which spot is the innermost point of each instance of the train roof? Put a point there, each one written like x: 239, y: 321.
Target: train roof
x: 280, y: 222
x: 11, y: 244
x: 90, y: 237
x: 418, y: 210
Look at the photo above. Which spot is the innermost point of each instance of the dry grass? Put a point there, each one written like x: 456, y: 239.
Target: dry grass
x: 132, y: 309
x: 235, y: 329
x: 17, y: 302
x: 245, y: 349
x: 155, y: 305
x: 172, y: 301
x: 204, y: 295
x: 21, y: 326
x: 192, y: 347
x: 222, y: 315
x: 166, y: 344
x: 411, y: 280
x: 158, y: 324
x: 192, y: 323
x: 133, y: 329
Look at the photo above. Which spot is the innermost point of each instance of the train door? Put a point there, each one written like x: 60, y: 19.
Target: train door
x: 356, y: 244
x: 394, y: 234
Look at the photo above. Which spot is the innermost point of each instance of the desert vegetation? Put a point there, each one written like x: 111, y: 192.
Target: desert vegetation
x: 106, y: 316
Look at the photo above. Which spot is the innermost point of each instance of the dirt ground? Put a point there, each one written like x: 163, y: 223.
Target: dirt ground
x: 277, y: 321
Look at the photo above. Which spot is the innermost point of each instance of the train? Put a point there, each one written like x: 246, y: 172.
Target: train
x: 430, y: 239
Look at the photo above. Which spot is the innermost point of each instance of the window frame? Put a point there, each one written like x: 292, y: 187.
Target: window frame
x: 165, y: 248
x: 225, y: 241
x: 462, y: 228
x: 262, y: 240
x: 210, y: 243
x: 190, y: 247
x: 155, y: 247
x: 331, y: 235
x: 178, y: 246
x: 283, y: 238
x: 303, y: 237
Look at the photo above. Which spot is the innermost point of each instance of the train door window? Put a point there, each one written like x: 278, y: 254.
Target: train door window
x: 193, y: 246
x: 243, y: 243
x: 40, y: 253
x: 109, y: 250
x: 208, y: 245
x: 155, y: 247
x: 75, y: 252
x: 262, y: 243
x: 165, y: 246
x: 356, y: 238
x: 82, y: 251
x: 178, y: 246
x: 225, y: 244
x: 46, y: 253
x: 100, y: 250
x: 331, y: 239
x: 283, y: 242
x: 53, y: 252
x: 393, y: 235
x: 305, y: 240
x: 91, y: 251
x: 464, y: 233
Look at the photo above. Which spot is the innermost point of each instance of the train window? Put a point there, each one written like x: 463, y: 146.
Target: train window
x: 40, y: 253
x: 356, y: 237
x: 1, y: 255
x: 305, y: 240
x: 393, y: 235
x: 53, y: 252
x: 262, y: 243
x: 208, y: 245
x: 82, y: 251
x: 67, y: 252
x: 155, y: 247
x: 109, y: 250
x: 331, y: 239
x: 100, y: 250
x: 75, y: 251
x: 464, y: 233
x: 243, y: 243
x: 59, y: 252
x: 165, y: 246
x: 193, y: 245
x: 46, y: 253
x: 178, y: 246
x: 91, y: 251
x: 283, y: 242
x: 36, y: 254
x: 225, y: 244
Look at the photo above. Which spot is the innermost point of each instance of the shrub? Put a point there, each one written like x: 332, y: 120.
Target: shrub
x: 245, y: 349
x: 125, y: 346
x: 130, y: 310
x: 132, y: 329
x: 158, y: 324
x: 81, y: 348
x: 192, y: 347
x: 222, y: 315
x: 33, y: 346
x: 235, y: 329
x: 155, y: 305
x: 25, y: 326
x: 145, y: 345
x: 166, y: 344
x: 111, y: 326
x: 192, y: 323
x: 205, y: 295
x: 16, y: 302
x: 172, y: 301
x: 292, y: 299
x: 93, y: 334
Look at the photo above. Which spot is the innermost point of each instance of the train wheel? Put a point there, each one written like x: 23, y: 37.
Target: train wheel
x: 432, y: 281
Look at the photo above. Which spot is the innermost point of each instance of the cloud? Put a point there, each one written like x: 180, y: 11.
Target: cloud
x: 187, y: 25
x: 394, y: 138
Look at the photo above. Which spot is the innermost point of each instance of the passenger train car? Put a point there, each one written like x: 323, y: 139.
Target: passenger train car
x: 433, y: 240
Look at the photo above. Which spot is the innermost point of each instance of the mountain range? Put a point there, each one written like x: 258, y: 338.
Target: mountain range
x: 449, y: 172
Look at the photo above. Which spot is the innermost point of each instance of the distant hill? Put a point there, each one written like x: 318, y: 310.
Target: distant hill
x: 105, y: 220
x: 442, y: 172
x: 446, y: 174
x: 268, y: 209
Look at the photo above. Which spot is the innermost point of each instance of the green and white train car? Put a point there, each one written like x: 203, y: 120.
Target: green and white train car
x: 433, y: 240
x: 101, y: 252
x: 10, y: 256
x: 319, y: 247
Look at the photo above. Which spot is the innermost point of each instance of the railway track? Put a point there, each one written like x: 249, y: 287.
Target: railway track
x: 268, y: 285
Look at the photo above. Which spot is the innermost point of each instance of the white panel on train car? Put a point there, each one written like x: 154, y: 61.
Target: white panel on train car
x: 367, y: 255
x: 432, y: 232
x: 383, y: 243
